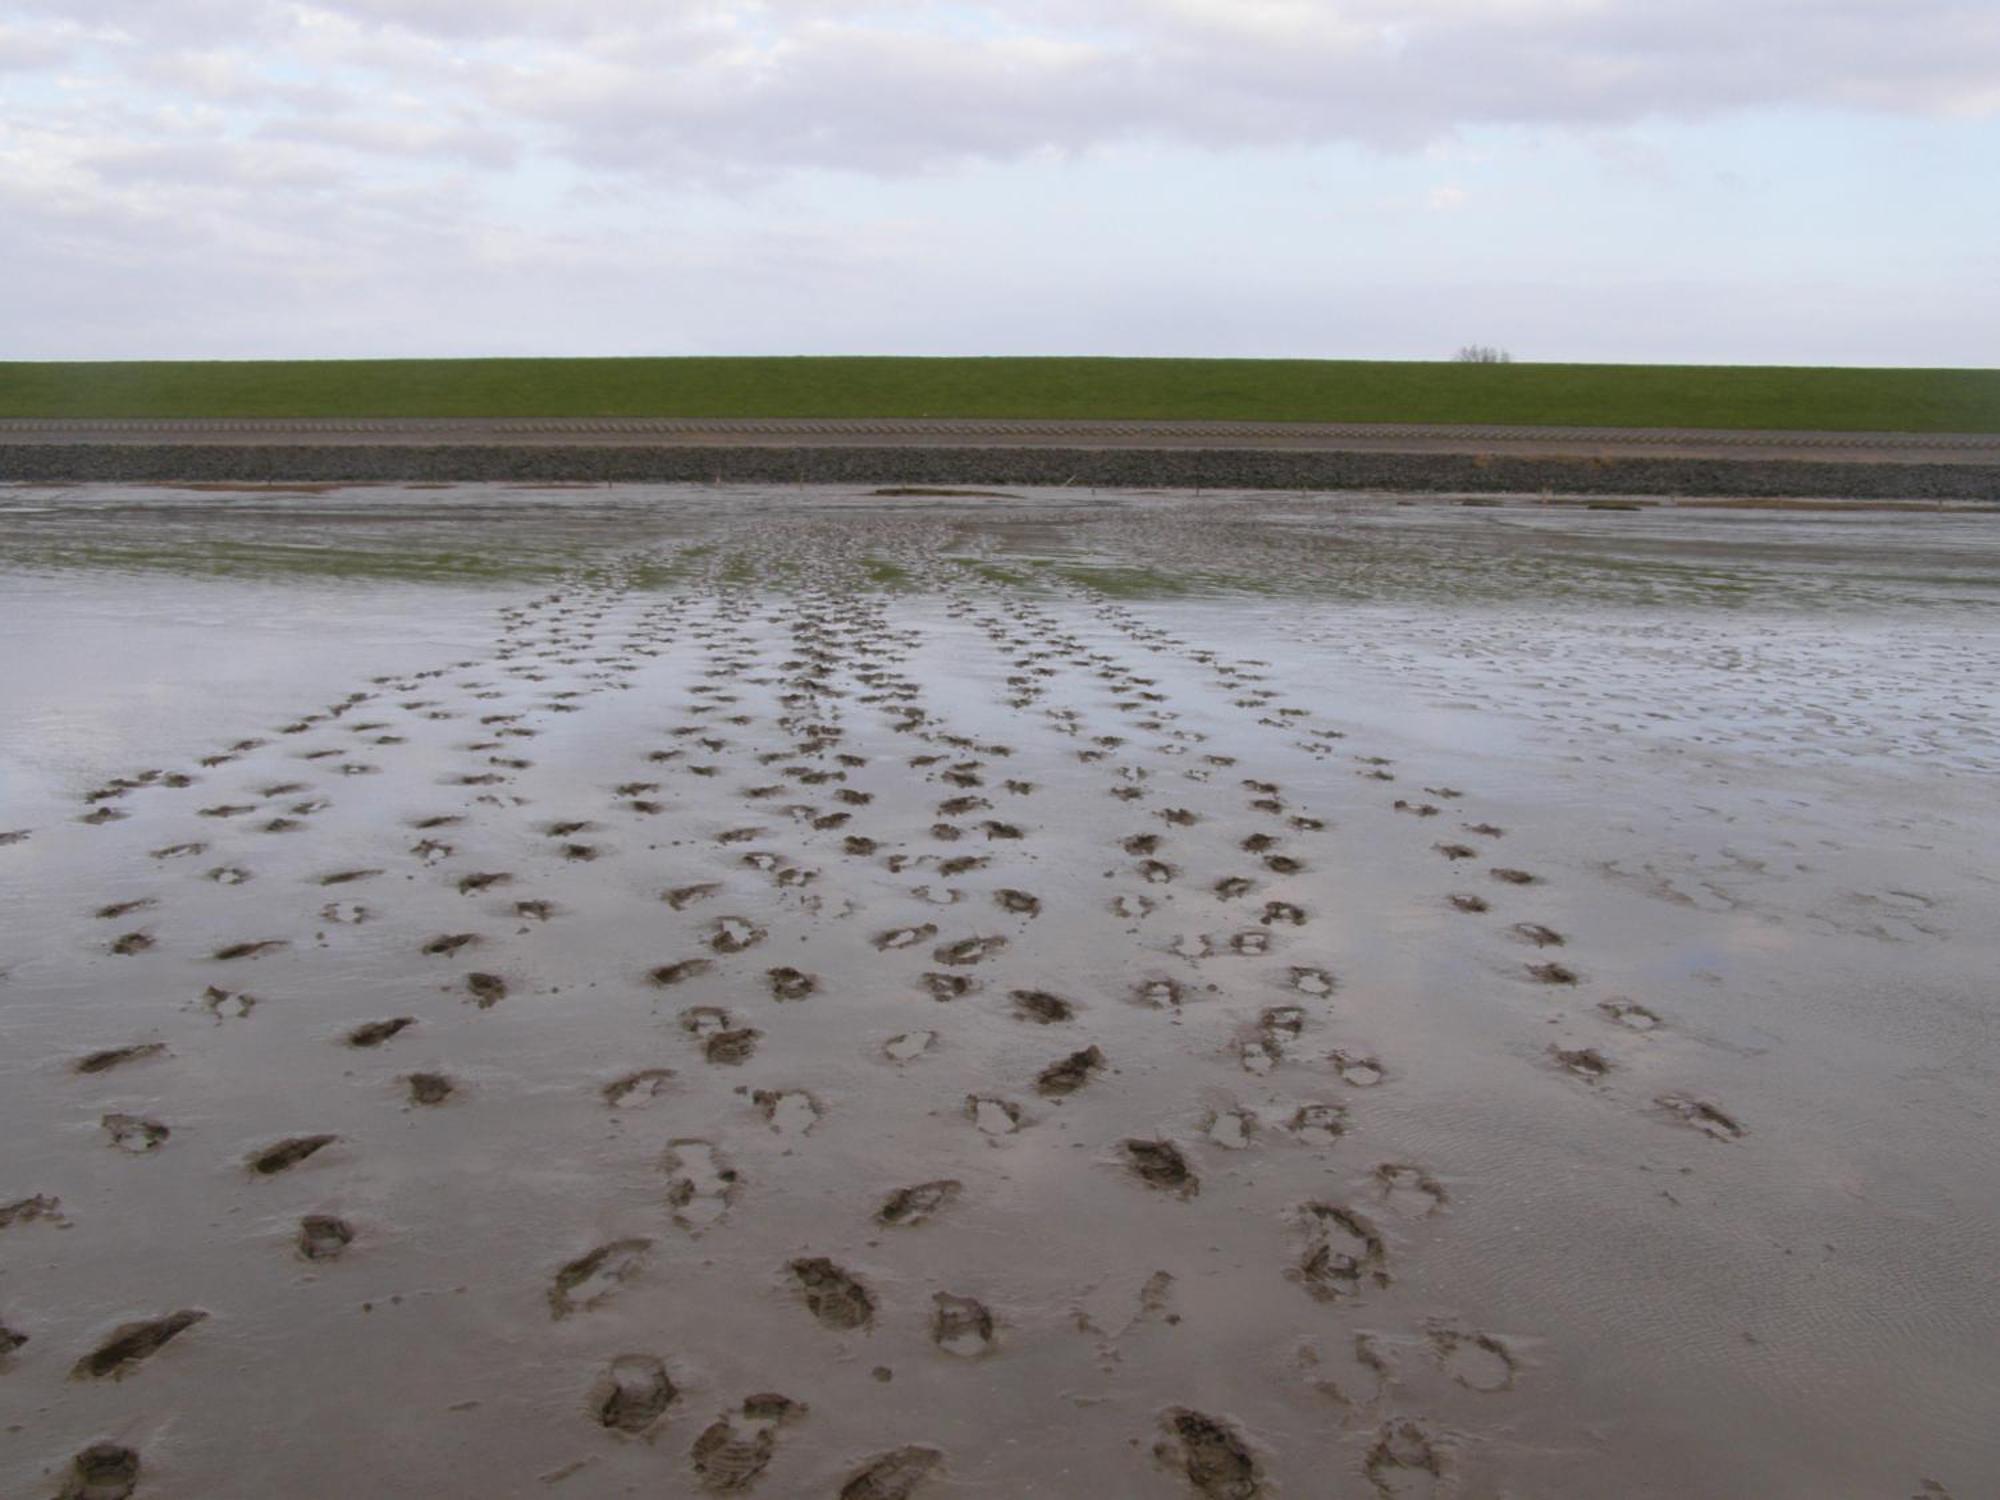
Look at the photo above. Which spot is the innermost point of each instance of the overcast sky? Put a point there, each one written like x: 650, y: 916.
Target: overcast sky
x: 1768, y: 181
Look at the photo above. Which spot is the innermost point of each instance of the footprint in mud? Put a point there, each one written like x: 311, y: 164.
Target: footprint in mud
x: 1020, y: 903
x: 1318, y: 1124
x: 904, y: 937
x: 892, y: 1476
x: 540, y: 911
x: 1475, y: 1360
x: 124, y: 908
x: 131, y: 943
x: 113, y: 1057
x: 486, y: 990
x: 375, y: 1033
x: 993, y: 1116
x: 1041, y: 1007
x: 1698, y: 1114
x: 1231, y: 1129
x: 471, y: 885
x: 1551, y: 974
x: 449, y: 943
x: 1315, y: 982
x: 701, y: 1185
x: 1410, y: 1190
x: 251, y: 949
x: 1586, y: 1063
x: 909, y: 1046
x: 1629, y: 1014
x: 790, y: 1112
x: 682, y: 897
x: 430, y: 1088
x: 347, y: 877
x: 1469, y: 903
x: 638, y: 1089
x: 1157, y: 872
x: 632, y: 1393
x: 1515, y: 877
x: 732, y: 1047
x: 834, y: 1297
x: 227, y: 1005
x: 323, y: 1237
x: 791, y: 984
x: 668, y: 975
x: 1357, y: 1071
x: 590, y: 1279
x: 970, y: 950
x: 1404, y: 1463
x: 1230, y: 887
x: 135, y: 1135
x: 1250, y: 944
x: 1160, y: 1164
x: 132, y: 1344
x: 1540, y: 936
x: 910, y: 1206
x: 287, y: 1154
x: 1276, y: 912
x: 1063, y: 1078
x: 103, y: 1471
x: 1456, y: 851
x: 1344, y: 1253
x: 735, y: 1448
x: 1211, y: 1453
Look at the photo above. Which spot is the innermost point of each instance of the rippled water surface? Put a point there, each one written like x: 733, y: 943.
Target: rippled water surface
x: 680, y: 991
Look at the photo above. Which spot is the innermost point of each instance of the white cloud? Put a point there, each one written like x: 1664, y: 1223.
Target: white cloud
x: 294, y: 144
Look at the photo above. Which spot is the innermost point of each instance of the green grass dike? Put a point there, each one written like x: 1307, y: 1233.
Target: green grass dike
x: 1721, y: 396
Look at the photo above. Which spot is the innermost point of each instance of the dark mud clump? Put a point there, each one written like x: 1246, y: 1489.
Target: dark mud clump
x: 632, y: 1394
x: 323, y: 1237
x: 103, y: 1471
x: 288, y: 1153
x: 1159, y: 1164
x: 375, y: 1033
x: 133, y: 1344
x: 834, y: 1297
x: 101, y: 1062
x: 1216, y: 1460
x: 914, y: 1205
x: 892, y: 1476
x: 1071, y: 1074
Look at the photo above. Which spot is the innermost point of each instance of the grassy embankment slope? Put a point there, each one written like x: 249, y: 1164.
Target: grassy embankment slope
x: 1830, y: 400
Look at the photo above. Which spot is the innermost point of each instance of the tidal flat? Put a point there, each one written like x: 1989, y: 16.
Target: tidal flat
x: 660, y: 990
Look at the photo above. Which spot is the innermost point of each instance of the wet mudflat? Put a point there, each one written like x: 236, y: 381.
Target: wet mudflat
x: 686, y: 992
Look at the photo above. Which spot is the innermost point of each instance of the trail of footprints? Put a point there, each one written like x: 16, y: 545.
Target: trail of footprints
x: 802, y: 716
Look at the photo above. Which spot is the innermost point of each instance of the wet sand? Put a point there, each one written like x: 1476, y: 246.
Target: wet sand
x: 686, y: 991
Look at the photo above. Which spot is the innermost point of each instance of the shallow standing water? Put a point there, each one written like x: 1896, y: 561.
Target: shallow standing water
x: 1031, y: 995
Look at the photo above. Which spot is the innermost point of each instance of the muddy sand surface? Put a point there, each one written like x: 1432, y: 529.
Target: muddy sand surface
x: 682, y: 991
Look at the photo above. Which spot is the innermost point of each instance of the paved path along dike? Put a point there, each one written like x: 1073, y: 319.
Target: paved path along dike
x: 627, y: 432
